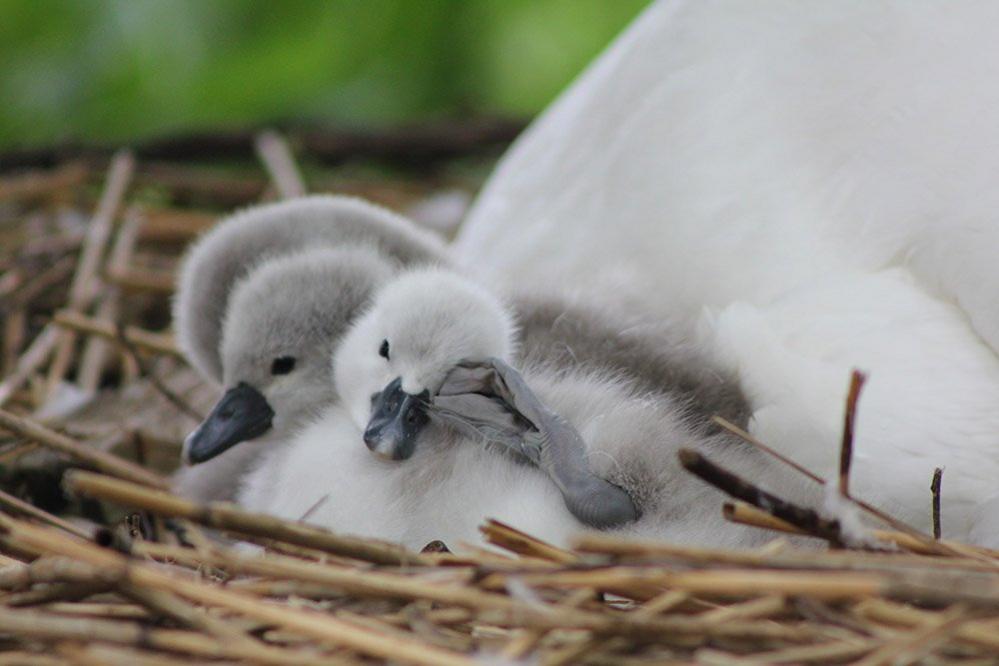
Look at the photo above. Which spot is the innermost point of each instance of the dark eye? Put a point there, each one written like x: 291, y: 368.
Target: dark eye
x: 282, y: 365
x: 383, y: 351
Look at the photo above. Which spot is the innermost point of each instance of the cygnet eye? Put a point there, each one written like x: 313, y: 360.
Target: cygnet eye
x: 383, y: 351
x: 282, y: 365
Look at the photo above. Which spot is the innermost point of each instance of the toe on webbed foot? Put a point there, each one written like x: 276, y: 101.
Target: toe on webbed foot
x: 601, y: 504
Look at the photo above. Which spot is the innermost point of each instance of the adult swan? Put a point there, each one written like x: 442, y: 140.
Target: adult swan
x: 807, y: 187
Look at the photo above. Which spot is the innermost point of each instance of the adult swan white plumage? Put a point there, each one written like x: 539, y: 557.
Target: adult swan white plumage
x: 809, y: 186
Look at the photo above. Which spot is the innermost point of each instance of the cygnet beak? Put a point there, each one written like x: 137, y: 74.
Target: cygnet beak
x: 241, y: 414
x: 397, y: 418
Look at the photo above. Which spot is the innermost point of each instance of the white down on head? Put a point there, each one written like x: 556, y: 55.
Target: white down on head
x: 463, y: 321
x: 807, y: 187
x: 451, y: 484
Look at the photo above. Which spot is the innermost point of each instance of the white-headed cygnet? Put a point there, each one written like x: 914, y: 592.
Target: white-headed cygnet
x: 263, y: 298
x: 418, y: 328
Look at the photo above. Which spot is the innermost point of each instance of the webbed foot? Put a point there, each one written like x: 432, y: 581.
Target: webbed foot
x: 493, y: 400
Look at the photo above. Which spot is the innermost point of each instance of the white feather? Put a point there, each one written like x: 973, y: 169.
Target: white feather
x: 805, y: 187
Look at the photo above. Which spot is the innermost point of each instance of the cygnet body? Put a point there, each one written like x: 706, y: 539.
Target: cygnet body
x: 417, y: 329
x: 263, y: 299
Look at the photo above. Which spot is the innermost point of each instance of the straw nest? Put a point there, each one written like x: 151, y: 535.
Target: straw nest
x: 95, y: 400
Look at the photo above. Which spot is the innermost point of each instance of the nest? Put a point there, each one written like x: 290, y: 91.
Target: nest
x: 96, y: 399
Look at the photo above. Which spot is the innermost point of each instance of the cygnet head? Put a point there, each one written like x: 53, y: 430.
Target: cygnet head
x: 230, y: 250
x: 282, y: 324
x: 397, y: 354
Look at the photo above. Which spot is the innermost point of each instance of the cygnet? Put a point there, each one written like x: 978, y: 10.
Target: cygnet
x: 260, y: 346
x: 419, y: 327
x: 284, y: 321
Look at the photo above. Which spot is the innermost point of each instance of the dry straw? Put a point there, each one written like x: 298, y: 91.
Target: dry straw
x: 156, y: 590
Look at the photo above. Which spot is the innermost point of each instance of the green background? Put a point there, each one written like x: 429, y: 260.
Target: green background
x: 112, y: 70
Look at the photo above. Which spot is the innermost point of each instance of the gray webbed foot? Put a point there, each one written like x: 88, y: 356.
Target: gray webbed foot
x: 493, y: 401
x: 479, y: 416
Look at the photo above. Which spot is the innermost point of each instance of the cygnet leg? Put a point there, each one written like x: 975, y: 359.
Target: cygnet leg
x: 549, y: 441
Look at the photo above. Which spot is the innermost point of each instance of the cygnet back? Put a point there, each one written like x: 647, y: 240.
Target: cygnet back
x: 559, y: 335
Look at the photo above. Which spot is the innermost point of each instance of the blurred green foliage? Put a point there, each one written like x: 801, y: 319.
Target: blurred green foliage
x: 120, y: 69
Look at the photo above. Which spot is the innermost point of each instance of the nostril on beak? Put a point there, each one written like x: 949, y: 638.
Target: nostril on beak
x: 370, y: 439
x: 396, y: 420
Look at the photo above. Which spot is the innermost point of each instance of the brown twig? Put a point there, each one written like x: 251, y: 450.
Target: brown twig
x: 935, y: 491
x: 888, y: 519
x: 806, y: 519
x: 34, y: 357
x: 156, y: 281
x: 20, y: 506
x: 48, y: 569
x: 977, y: 631
x: 96, y: 352
x: 15, y: 330
x: 106, y: 462
x: 154, y: 380
x: 857, y: 380
x: 516, y: 541
x: 230, y: 517
x: 320, y: 626
x: 170, y: 605
x: 186, y: 184
x: 49, y: 277
x: 274, y: 152
x: 172, y: 225
x: 9, y: 455
x: 56, y: 592
x: 82, y: 291
x: 748, y: 438
x: 35, y: 184
x: 156, y: 343
x: 48, y: 626
x: 746, y: 514
x: 911, y: 648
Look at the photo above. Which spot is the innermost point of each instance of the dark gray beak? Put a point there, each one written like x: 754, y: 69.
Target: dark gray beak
x: 397, y: 418
x: 241, y: 414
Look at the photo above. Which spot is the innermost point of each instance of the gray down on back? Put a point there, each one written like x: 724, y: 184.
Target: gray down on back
x: 231, y: 249
x: 567, y: 337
